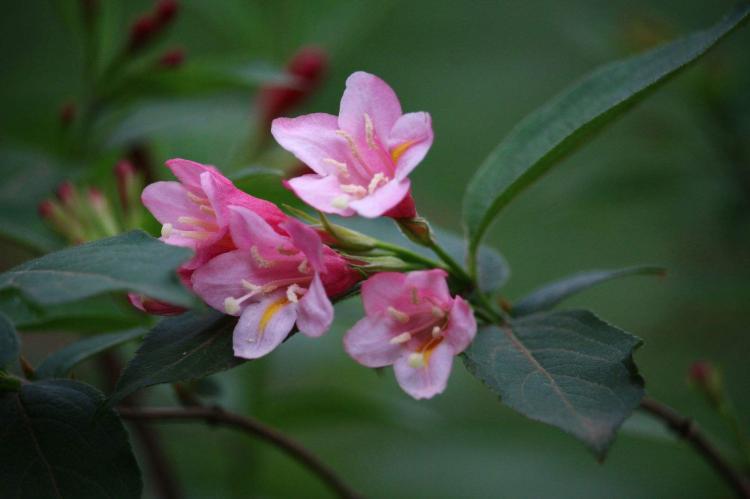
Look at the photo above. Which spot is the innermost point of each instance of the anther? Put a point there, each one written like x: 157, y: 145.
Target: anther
x: 207, y: 209
x: 438, y: 312
x: 354, y: 189
x: 231, y: 305
x: 415, y: 360
x: 197, y: 221
x: 414, y: 296
x: 340, y: 202
x: 250, y: 286
x: 197, y: 199
x: 292, y: 291
x: 303, y: 267
x: 398, y: 315
x: 375, y: 181
x: 401, y: 338
x: 259, y: 260
x: 340, y: 166
x: 166, y: 230
x: 437, y: 332
x: 369, y: 133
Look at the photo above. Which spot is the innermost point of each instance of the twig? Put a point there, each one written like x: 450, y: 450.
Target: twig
x: 689, y: 431
x: 218, y: 416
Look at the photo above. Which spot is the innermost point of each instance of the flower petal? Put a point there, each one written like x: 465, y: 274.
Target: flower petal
x: 168, y: 201
x: 383, y: 199
x: 381, y: 291
x: 367, y: 94
x: 320, y: 193
x: 189, y: 172
x: 221, y: 278
x: 462, y: 326
x: 263, y: 326
x: 313, y: 140
x: 314, y: 311
x: 431, y: 283
x: 221, y: 194
x: 409, y: 141
x: 369, y: 343
x: 306, y: 240
x: 249, y: 229
x: 429, y: 380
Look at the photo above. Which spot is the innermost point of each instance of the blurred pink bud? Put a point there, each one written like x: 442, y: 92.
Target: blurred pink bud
x: 96, y: 198
x: 141, y: 32
x: 172, y: 59
x: 66, y: 193
x: 68, y: 113
x: 166, y: 10
x: 46, y: 209
x: 307, y: 67
x: 700, y: 372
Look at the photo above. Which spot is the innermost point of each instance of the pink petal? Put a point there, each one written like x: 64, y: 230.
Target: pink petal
x: 381, y: 291
x: 409, y: 141
x: 152, y: 306
x: 430, y: 282
x: 249, y: 229
x: 222, y: 277
x: 263, y: 326
x: 314, y: 310
x: 383, y: 199
x: 462, y: 326
x: 167, y: 201
x: 425, y: 382
x: 313, y: 140
x: 369, y: 343
x: 189, y: 172
x: 222, y: 194
x: 306, y: 240
x: 319, y: 192
x: 367, y: 94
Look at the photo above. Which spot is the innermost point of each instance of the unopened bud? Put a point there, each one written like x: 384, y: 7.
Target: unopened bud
x: 154, y: 307
x: 172, y: 59
x: 375, y: 264
x: 417, y: 229
x: 704, y: 377
x: 66, y: 193
x: 166, y: 10
x: 346, y: 239
x: 103, y: 216
x: 141, y: 32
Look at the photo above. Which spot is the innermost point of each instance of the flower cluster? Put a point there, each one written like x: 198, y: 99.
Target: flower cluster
x: 275, y: 273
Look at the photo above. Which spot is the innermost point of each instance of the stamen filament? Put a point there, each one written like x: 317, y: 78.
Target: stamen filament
x: 401, y: 338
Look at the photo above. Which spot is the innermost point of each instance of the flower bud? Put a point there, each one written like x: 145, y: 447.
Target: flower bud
x: 141, y: 32
x: 67, y: 114
x: 375, y: 264
x: 346, y: 239
x: 172, y: 59
x: 417, y: 229
x: 154, y: 307
x: 704, y: 377
x: 166, y: 11
x: 103, y: 216
x: 129, y: 186
x: 66, y: 193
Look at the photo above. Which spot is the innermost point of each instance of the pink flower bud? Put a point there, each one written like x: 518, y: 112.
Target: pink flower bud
x: 141, y: 32
x: 66, y: 193
x: 46, y: 209
x: 172, y: 59
x: 67, y: 113
x: 700, y: 372
x: 166, y: 10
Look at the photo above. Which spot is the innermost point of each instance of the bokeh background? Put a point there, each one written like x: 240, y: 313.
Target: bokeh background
x: 669, y: 184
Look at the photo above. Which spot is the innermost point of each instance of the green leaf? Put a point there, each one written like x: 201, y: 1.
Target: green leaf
x: 568, y: 369
x: 548, y: 134
x: 9, y: 344
x: 92, y: 315
x: 60, y: 363
x: 186, y: 347
x: 133, y: 261
x: 58, y: 442
x: 553, y: 293
x: 265, y: 183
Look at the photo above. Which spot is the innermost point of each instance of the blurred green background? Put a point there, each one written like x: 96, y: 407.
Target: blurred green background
x: 669, y: 185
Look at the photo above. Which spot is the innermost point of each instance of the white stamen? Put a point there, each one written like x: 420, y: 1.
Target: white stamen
x: 375, y: 181
x: 398, y: 315
x: 166, y: 230
x: 231, y: 305
x: 340, y: 202
x: 437, y: 332
x: 341, y: 167
x: 354, y: 189
x: 197, y: 221
x: 415, y: 360
x: 354, y: 151
x: 438, y: 312
x: 250, y: 286
x: 197, y: 199
x: 401, y: 338
x: 207, y: 209
x: 287, y: 251
x: 303, y: 267
x: 292, y: 291
x: 259, y: 260
x: 369, y: 133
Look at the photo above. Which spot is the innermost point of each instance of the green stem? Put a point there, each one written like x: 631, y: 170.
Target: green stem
x: 408, y: 254
x: 457, y: 269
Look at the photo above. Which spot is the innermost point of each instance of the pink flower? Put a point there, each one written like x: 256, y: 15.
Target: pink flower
x: 363, y: 157
x: 413, y: 323
x: 273, y: 281
x: 195, y: 211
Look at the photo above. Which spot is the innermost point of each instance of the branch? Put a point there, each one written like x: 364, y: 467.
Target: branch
x: 688, y: 430
x: 218, y: 416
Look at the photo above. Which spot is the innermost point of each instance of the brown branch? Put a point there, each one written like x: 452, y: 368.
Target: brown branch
x: 218, y: 416
x: 689, y: 431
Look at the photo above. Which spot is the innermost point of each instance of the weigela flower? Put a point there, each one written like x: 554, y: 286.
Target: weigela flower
x: 363, y: 156
x: 414, y: 324
x: 195, y: 211
x: 272, y: 282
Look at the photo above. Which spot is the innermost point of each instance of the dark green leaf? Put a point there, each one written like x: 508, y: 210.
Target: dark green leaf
x: 553, y: 293
x: 186, y: 347
x: 92, y: 315
x: 58, y: 442
x: 551, y: 132
x: 568, y: 369
x: 132, y: 261
x: 59, y: 364
x: 9, y: 344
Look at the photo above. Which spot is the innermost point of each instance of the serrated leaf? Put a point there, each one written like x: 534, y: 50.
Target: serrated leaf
x: 549, y: 295
x: 9, y: 344
x: 58, y: 442
x: 551, y: 132
x: 189, y: 346
x: 60, y: 363
x: 568, y: 369
x: 133, y: 261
